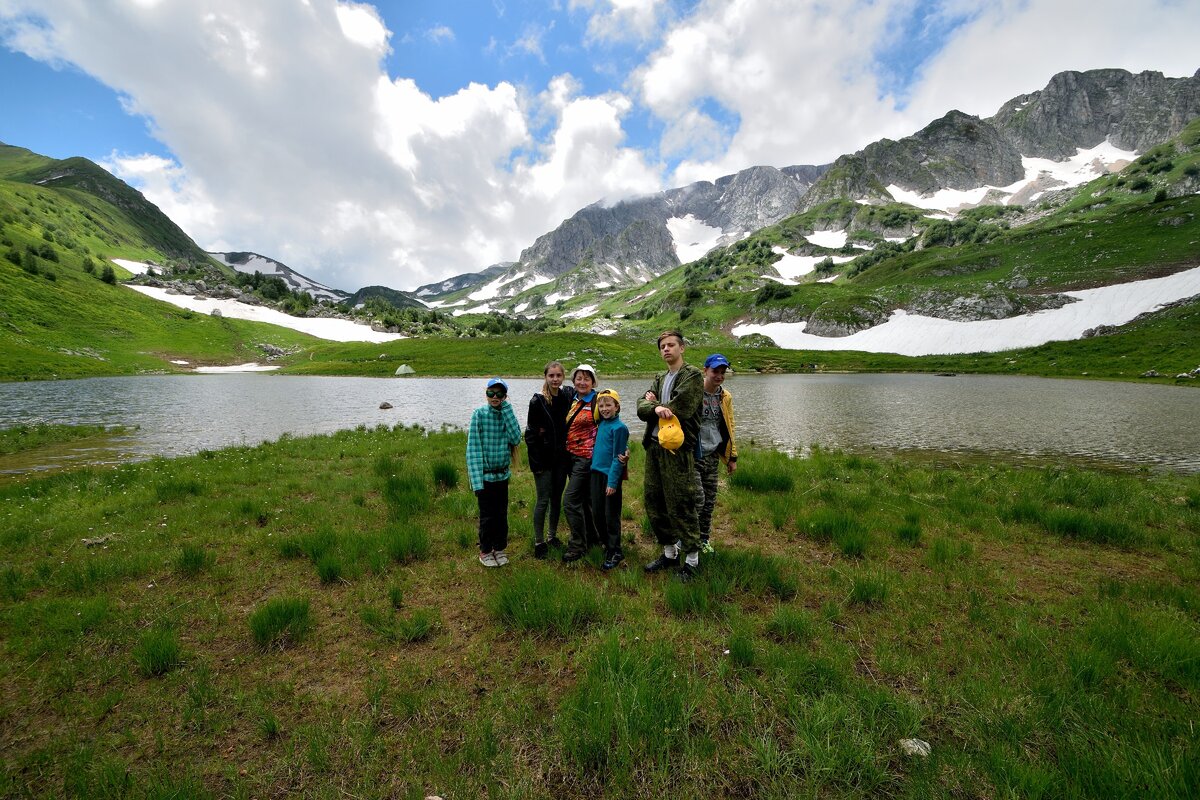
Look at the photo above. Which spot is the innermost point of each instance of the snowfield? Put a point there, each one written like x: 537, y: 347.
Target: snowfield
x: 915, y: 335
x: 1084, y: 166
x: 692, y: 237
x: 335, y: 330
x: 792, y: 267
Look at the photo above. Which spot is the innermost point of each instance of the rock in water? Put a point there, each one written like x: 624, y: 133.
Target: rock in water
x: 385, y: 405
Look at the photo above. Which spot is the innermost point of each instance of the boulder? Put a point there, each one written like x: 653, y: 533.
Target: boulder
x: 385, y: 405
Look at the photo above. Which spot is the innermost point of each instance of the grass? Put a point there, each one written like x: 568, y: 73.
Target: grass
x: 28, y: 437
x: 281, y: 621
x: 1040, y: 627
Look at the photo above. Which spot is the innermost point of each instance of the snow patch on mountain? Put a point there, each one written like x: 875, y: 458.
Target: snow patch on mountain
x: 834, y: 240
x: 580, y: 313
x: 693, y: 238
x: 1041, y: 175
x: 249, y: 263
x: 915, y: 335
x: 791, y: 267
x: 335, y: 330
x: 136, y: 267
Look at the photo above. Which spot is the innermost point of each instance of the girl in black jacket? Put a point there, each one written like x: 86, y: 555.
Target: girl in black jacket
x: 546, y: 445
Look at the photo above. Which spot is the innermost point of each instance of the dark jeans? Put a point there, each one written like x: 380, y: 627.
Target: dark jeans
x: 577, y: 504
x: 493, y: 516
x: 670, y: 497
x: 550, y: 484
x: 707, y: 469
x: 606, y: 511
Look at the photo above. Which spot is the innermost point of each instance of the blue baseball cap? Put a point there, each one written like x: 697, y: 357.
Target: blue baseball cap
x: 498, y: 382
x: 716, y: 360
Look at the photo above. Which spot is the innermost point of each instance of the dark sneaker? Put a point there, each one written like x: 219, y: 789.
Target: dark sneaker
x: 661, y: 563
x: 687, y: 572
x: 554, y: 542
x: 540, y: 550
x: 612, y: 560
x: 572, y: 555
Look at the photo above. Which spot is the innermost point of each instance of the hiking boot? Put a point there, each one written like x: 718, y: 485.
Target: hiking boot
x: 488, y: 560
x: 661, y: 563
x: 706, y: 545
x: 612, y: 560
x: 540, y: 550
x: 686, y: 572
x: 572, y: 554
x: 501, y: 557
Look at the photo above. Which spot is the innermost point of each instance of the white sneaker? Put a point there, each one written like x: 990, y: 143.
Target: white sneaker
x: 501, y: 558
x: 488, y: 559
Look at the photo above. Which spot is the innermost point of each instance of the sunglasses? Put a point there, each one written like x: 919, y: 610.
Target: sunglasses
x: 494, y: 393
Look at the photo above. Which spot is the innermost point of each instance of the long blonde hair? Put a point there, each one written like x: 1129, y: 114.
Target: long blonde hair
x: 546, y: 384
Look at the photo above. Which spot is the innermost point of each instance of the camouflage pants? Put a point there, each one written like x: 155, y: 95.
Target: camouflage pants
x: 670, y: 497
x: 707, y: 469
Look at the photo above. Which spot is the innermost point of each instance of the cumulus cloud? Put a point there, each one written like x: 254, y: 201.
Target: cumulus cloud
x: 805, y: 82
x: 292, y: 140
x: 621, y: 20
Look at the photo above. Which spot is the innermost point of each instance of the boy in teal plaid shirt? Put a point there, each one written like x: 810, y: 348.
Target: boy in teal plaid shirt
x: 492, y: 442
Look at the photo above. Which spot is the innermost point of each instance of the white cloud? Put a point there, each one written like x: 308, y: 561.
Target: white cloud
x: 291, y: 140
x: 361, y: 24
x: 439, y: 34
x: 621, y: 20
x: 798, y: 77
x: 290, y: 137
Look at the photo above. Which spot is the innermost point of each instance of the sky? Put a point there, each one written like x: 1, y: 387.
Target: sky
x: 403, y: 142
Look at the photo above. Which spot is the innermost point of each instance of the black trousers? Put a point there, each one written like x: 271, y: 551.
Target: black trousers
x: 493, y: 516
x: 606, y: 512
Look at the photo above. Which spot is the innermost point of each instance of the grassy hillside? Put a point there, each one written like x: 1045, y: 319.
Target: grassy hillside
x: 59, y: 318
x: 309, y: 617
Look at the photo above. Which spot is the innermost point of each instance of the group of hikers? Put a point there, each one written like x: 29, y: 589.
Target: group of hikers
x: 578, y: 452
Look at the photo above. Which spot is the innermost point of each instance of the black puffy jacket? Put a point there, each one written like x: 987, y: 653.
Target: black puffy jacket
x: 546, y: 428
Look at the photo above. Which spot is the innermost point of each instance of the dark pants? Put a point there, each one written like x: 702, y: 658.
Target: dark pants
x: 707, y: 469
x: 493, y: 516
x: 670, y: 497
x: 550, y: 484
x: 577, y: 504
x: 606, y: 511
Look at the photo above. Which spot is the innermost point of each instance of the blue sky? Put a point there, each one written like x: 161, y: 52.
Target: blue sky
x: 403, y: 142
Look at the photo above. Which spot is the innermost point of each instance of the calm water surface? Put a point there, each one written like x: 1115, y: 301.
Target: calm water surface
x: 1019, y: 418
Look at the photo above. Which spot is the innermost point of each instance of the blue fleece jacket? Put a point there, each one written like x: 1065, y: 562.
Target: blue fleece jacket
x: 612, y: 438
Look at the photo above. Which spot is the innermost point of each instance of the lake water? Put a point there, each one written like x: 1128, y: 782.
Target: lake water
x: 1015, y: 418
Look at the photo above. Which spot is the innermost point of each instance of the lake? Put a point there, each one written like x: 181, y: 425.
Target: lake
x: 1014, y: 418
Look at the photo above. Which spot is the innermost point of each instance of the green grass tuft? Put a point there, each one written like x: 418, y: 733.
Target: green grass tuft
x: 158, y: 652
x: 280, y: 622
x: 545, y: 602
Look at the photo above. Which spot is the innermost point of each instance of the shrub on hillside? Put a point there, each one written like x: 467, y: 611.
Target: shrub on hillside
x: 108, y: 276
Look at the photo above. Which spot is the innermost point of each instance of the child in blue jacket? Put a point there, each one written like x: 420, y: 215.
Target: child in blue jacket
x: 612, y: 438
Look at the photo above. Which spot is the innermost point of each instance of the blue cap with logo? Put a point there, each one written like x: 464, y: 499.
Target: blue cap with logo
x: 498, y: 382
x: 716, y: 360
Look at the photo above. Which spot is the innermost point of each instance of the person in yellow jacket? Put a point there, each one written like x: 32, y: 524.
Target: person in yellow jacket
x: 716, y: 443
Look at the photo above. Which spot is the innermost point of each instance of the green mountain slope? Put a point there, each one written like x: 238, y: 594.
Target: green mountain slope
x: 59, y: 317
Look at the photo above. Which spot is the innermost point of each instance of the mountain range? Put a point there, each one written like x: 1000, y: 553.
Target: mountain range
x: 627, y: 243
x: 1090, y: 182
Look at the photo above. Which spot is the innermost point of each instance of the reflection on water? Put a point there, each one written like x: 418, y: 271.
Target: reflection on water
x: 1014, y: 417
